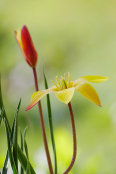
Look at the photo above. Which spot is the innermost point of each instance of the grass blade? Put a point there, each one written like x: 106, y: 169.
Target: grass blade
x: 21, y: 137
x: 25, y: 146
x: 1, y: 115
x: 26, y: 151
x: 5, y: 167
x: 22, y: 158
x: 23, y: 161
x: 51, y: 124
x: 14, y: 133
x: 1, y: 107
x: 9, y: 148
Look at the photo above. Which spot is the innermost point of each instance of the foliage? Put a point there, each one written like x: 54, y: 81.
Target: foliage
x: 14, y: 152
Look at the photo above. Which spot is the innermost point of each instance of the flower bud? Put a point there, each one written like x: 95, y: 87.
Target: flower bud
x: 25, y: 42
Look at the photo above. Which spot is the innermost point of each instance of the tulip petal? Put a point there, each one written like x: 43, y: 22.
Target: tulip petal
x: 65, y: 95
x: 18, y: 37
x: 94, y: 79
x: 39, y: 95
x: 88, y: 92
x: 28, y: 47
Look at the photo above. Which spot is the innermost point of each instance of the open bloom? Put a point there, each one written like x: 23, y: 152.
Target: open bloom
x: 64, y: 91
x: 25, y: 42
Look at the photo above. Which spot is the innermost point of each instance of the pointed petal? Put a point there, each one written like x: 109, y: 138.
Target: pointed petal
x: 65, y: 95
x: 18, y: 37
x: 94, y: 79
x: 39, y: 95
x: 28, y: 48
x: 88, y: 92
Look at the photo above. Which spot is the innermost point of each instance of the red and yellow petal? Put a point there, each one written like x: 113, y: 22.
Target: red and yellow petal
x: 25, y: 42
x: 18, y: 37
x: 28, y: 47
x: 37, y: 96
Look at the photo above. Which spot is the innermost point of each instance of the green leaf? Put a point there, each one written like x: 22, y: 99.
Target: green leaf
x: 26, y: 151
x: 28, y: 165
x: 23, y: 161
x: 1, y: 107
x: 21, y: 136
x: 51, y: 124
x: 1, y: 102
x: 5, y: 167
x: 21, y: 170
x: 1, y: 115
x: 10, y: 148
x: 14, y: 133
x: 22, y: 158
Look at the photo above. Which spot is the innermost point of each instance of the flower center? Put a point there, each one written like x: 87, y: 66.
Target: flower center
x: 64, y: 83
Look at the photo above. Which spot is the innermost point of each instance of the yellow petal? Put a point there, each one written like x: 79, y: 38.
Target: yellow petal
x: 88, y: 92
x: 39, y: 95
x: 65, y: 95
x: 94, y: 79
x: 34, y: 94
x: 18, y: 37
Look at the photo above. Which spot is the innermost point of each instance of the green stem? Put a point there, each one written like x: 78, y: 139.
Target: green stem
x: 42, y: 124
x: 74, y: 140
x: 51, y: 125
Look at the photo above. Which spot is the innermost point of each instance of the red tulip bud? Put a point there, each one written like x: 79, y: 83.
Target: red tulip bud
x: 25, y: 42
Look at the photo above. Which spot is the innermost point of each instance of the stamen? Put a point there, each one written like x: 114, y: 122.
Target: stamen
x: 62, y: 80
x: 65, y: 83
x: 65, y: 80
x: 58, y: 83
x: 55, y: 85
x: 69, y: 79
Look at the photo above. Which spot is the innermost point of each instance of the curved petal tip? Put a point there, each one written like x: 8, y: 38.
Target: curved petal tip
x: 28, y: 108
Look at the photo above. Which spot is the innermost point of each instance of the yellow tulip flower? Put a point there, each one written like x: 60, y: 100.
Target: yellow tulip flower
x: 64, y: 91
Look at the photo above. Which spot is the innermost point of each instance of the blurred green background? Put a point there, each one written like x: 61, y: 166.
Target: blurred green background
x: 76, y: 36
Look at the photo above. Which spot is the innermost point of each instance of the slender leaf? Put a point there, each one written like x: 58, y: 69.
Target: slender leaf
x: 21, y: 170
x: 28, y: 165
x: 1, y: 106
x: 5, y: 167
x: 21, y: 136
x: 15, y: 132
x: 9, y: 148
x: 14, y: 122
x: 26, y: 151
x: 50, y: 124
x: 22, y: 158
x: 1, y: 114
x: 1, y: 102
x: 23, y: 161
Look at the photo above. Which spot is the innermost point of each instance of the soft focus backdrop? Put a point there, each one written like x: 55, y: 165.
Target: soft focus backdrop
x: 76, y: 36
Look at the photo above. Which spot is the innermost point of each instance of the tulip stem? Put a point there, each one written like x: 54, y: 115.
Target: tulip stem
x: 42, y: 124
x: 74, y: 140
